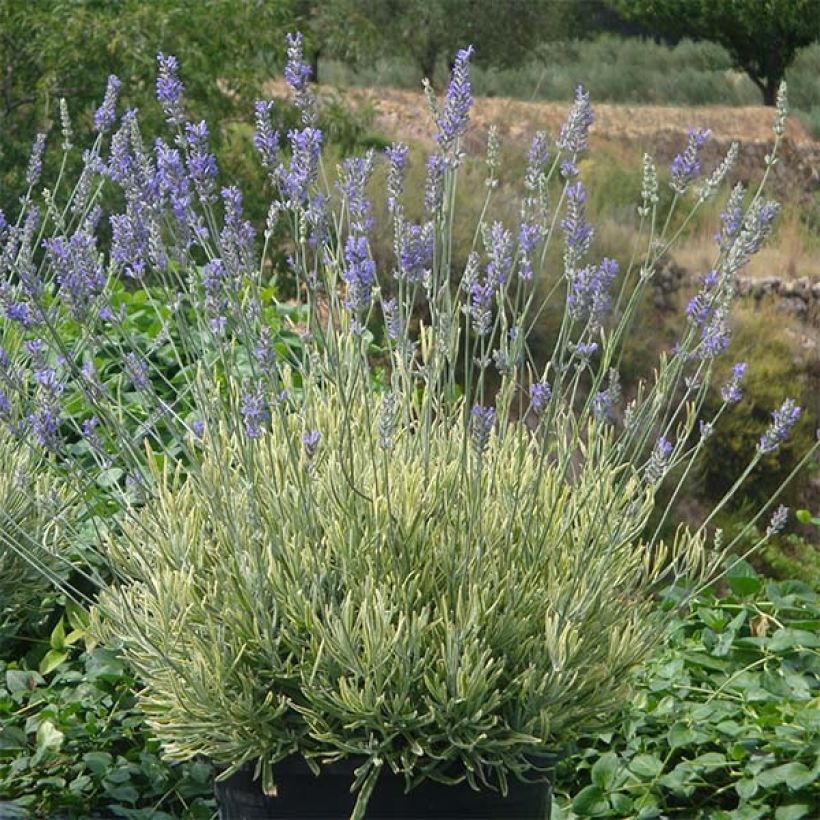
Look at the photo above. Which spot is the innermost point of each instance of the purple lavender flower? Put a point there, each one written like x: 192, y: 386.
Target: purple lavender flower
x: 586, y: 350
x: 306, y: 146
x: 658, y: 461
x: 106, y: 115
x: 200, y: 161
x: 214, y: 280
x: 174, y: 183
x: 702, y: 305
x: 92, y: 436
x: 715, y: 335
x: 388, y: 421
x: 756, y: 228
x: 731, y: 218
x: 359, y: 273
x: 136, y: 370
x: 588, y: 296
x: 537, y: 158
x: 5, y: 407
x: 265, y: 351
x: 569, y: 170
x: 266, y: 139
x: 297, y: 76
x: 482, y: 422
x: 707, y: 429
x: 499, y: 244
x: 778, y: 520
x: 130, y: 238
x: 575, y: 131
x: 452, y: 123
x: 540, y: 394
x: 577, y: 231
x: 434, y: 185
x: 16, y: 310
x: 604, y: 402
x: 356, y: 172
x: 237, y: 236
x: 392, y: 319
x: 731, y: 392
x: 415, y: 245
x: 398, y: 154
x: 78, y: 269
x: 480, y: 306
x: 45, y: 419
x: 686, y: 167
x: 529, y: 235
x: 170, y: 89
x: 255, y: 412
x: 198, y: 428
x: 310, y: 441
x: 35, y: 160
x: 783, y: 419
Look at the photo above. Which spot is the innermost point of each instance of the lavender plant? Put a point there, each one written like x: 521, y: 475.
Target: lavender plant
x: 370, y: 524
x: 32, y: 503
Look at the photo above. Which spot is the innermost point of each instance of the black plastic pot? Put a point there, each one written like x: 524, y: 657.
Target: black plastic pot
x: 302, y: 794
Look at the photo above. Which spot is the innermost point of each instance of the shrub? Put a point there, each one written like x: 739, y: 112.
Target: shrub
x: 401, y: 540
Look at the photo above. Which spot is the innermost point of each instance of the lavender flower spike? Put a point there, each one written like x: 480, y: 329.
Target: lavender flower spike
x: 266, y: 139
x: 297, y: 75
x: 170, y: 88
x: 452, y: 122
x: 35, y: 160
x: 783, y: 419
x: 731, y: 392
x: 540, y: 394
x: 778, y: 520
x: 686, y: 167
x: 106, y: 115
x: 254, y: 412
x: 574, y: 134
x: 577, y: 231
x: 658, y: 461
x: 483, y: 421
x: 310, y: 441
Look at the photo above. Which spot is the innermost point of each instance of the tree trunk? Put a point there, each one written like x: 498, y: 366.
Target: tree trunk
x: 770, y: 91
x: 768, y: 86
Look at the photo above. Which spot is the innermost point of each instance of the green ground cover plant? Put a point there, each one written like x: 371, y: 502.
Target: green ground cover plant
x: 724, y: 723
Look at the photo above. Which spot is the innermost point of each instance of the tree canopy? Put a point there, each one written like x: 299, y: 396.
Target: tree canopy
x: 762, y: 36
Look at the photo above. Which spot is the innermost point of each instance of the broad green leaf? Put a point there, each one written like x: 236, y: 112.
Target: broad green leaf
x: 621, y: 803
x: 22, y: 680
x: 710, y: 760
x: 604, y: 770
x: 793, y: 639
x: 795, y: 775
x: 49, y: 736
x: 590, y: 802
x: 97, y: 762
x: 744, y: 585
x: 647, y: 806
x: 681, y: 735
x: 58, y: 637
x: 794, y: 811
x: 51, y: 660
x: 746, y: 788
x: 646, y: 766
